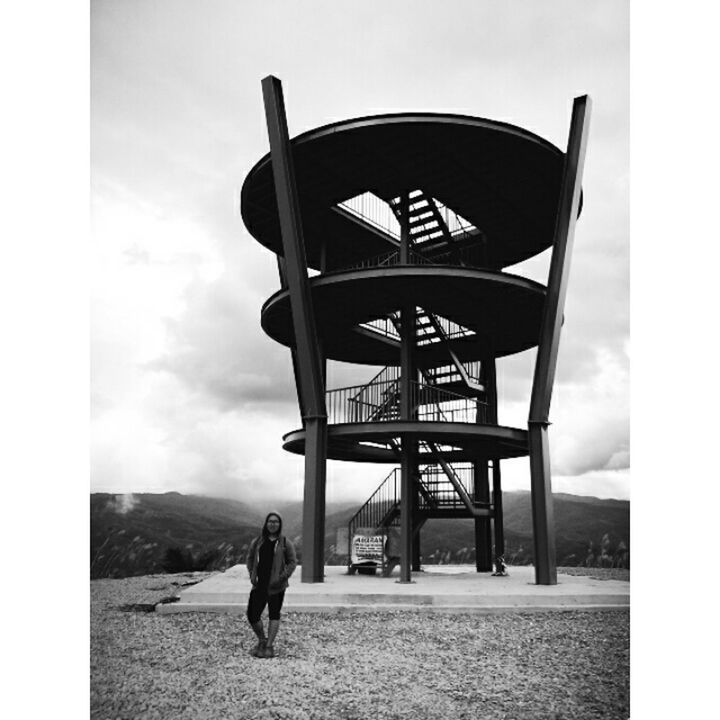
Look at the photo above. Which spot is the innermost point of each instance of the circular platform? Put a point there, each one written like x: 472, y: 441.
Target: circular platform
x: 504, y: 311
x: 354, y: 441
x: 501, y: 178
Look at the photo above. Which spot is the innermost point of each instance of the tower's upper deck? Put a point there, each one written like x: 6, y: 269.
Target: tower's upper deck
x: 500, y: 178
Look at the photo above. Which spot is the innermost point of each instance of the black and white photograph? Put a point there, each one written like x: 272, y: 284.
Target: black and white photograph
x: 359, y: 360
x: 357, y: 343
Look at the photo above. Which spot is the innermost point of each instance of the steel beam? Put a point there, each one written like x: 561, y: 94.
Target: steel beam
x: 546, y: 361
x: 490, y: 379
x: 282, y: 273
x: 309, y: 364
x: 483, y: 536
x: 483, y: 539
x: 408, y: 373
x: 498, y: 522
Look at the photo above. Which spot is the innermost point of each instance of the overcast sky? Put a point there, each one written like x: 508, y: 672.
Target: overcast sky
x: 188, y: 394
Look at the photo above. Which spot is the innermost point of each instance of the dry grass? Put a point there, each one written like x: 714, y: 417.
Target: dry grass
x: 597, y: 573
x: 363, y: 665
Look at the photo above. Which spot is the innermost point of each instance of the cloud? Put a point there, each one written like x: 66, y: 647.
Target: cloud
x: 188, y: 392
x: 591, y: 429
x: 598, y: 483
x: 122, y: 504
x: 217, y: 348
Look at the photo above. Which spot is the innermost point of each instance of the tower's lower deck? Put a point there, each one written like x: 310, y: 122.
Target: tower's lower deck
x: 377, y: 442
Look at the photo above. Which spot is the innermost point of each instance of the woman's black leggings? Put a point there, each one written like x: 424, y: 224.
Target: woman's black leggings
x: 257, y: 602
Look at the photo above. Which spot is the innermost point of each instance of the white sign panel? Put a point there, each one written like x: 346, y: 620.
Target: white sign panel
x: 367, y: 547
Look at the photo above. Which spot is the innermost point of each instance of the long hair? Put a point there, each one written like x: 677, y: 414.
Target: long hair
x: 265, y: 532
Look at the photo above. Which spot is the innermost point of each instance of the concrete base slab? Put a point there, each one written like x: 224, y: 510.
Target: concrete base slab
x: 439, y: 588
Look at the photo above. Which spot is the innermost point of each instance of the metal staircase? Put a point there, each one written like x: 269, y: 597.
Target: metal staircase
x: 443, y: 491
x: 437, y: 236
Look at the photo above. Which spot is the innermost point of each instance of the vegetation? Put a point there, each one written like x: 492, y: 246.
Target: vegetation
x: 171, y: 533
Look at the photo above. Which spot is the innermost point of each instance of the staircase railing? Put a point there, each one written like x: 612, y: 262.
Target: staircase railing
x: 389, y: 259
x: 374, y: 211
x: 385, y: 326
x: 376, y: 512
x: 380, y: 402
x: 442, y: 490
x: 390, y: 373
x: 362, y: 403
x: 438, y: 492
x: 379, y: 214
x: 449, y: 329
x: 472, y: 369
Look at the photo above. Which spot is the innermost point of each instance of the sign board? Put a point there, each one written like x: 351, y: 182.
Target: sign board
x: 367, y: 548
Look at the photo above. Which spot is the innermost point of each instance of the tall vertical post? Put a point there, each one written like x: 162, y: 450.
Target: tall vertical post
x: 282, y: 272
x: 498, y: 525
x: 490, y: 380
x: 407, y: 375
x: 307, y: 351
x: 481, y: 493
x: 416, y: 565
x: 486, y: 414
x: 546, y: 362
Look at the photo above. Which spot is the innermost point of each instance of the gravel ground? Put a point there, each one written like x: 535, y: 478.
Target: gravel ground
x: 563, y: 665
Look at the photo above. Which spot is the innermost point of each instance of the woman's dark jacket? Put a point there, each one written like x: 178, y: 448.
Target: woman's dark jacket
x: 284, y: 563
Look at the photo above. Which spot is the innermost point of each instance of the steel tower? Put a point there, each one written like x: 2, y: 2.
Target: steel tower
x: 408, y: 221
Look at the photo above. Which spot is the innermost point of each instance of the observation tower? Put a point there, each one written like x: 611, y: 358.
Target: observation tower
x: 391, y: 234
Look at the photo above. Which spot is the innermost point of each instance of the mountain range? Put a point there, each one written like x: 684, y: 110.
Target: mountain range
x: 148, y: 533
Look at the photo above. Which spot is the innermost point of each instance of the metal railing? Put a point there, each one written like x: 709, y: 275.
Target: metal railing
x: 468, y: 256
x: 433, y: 404
x: 368, y: 396
x: 448, y: 329
x: 442, y: 490
x: 439, y: 493
x: 450, y: 372
x: 374, y: 211
x: 389, y: 259
x: 374, y: 402
x: 379, y: 401
x: 389, y: 327
x: 379, y: 214
x: 377, y: 509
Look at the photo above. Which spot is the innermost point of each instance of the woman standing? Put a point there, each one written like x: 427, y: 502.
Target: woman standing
x: 271, y: 561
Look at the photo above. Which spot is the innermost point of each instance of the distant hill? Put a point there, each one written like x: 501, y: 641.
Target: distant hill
x: 588, y: 531
x: 146, y: 533
x: 581, y: 523
x: 149, y: 533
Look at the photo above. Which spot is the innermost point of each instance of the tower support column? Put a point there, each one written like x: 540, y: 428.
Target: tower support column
x: 498, y: 524
x: 416, y: 565
x: 489, y: 373
x: 546, y: 361
x: 309, y: 366
x: 483, y: 541
x: 542, y: 505
x: 313, y: 557
x: 408, y: 373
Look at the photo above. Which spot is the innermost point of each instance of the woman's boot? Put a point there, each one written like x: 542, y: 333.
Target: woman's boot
x: 258, y: 650
x: 269, y: 651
